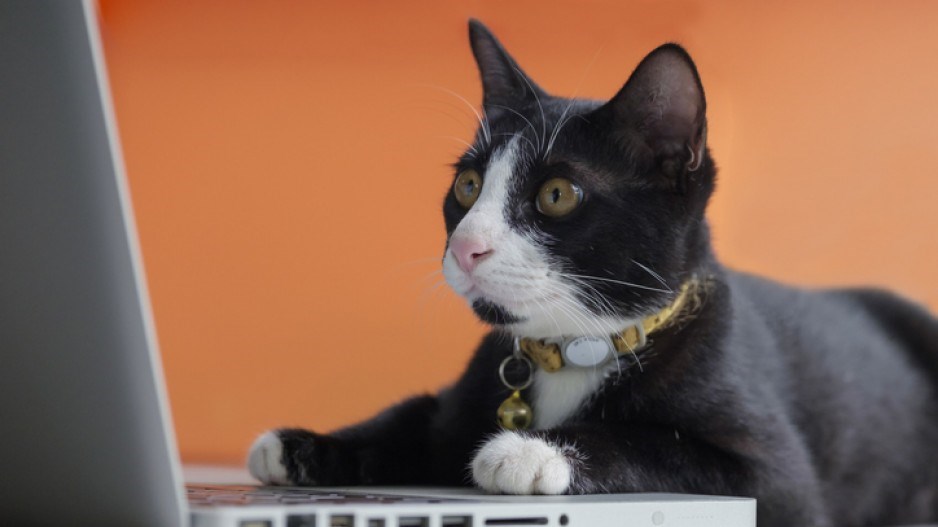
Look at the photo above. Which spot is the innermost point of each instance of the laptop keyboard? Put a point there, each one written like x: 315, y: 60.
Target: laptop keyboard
x: 212, y: 495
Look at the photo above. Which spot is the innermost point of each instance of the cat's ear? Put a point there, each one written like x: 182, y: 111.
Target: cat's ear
x: 503, y: 82
x: 663, y: 105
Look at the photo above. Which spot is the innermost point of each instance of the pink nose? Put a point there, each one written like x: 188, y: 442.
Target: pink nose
x: 469, y: 251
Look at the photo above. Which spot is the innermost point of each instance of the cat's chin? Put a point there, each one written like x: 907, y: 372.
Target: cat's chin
x: 495, y: 314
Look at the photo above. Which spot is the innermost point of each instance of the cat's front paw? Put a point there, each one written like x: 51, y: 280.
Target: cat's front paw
x: 266, y: 461
x: 515, y: 463
x: 293, y: 456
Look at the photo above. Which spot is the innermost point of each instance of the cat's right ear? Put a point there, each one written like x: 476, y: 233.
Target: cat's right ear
x: 504, y: 85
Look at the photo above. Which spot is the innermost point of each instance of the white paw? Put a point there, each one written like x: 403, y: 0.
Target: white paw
x: 513, y: 463
x: 265, y: 460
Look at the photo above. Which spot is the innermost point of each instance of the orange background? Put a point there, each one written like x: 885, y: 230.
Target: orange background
x: 288, y: 160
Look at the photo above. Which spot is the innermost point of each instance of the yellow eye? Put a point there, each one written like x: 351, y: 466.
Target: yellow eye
x: 558, y: 197
x: 467, y: 187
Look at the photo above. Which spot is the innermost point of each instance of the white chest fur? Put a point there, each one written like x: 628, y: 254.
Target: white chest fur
x: 557, y: 396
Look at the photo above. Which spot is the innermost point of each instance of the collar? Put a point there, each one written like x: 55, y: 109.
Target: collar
x: 553, y: 354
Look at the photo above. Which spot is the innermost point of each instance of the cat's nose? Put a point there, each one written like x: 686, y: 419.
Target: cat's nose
x: 469, y: 251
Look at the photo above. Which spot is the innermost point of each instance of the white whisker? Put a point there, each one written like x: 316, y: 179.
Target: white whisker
x: 519, y: 114
x: 573, y: 309
x: 537, y: 99
x: 470, y: 146
x: 654, y: 275
x: 559, y: 126
x: 619, y: 282
x: 483, y: 122
x: 549, y: 315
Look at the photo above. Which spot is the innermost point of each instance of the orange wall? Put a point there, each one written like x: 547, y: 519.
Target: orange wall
x: 288, y: 159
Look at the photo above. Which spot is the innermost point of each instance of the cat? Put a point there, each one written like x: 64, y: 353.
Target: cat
x: 623, y: 356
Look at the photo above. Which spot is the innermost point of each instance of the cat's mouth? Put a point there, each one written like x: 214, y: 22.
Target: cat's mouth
x: 492, y: 313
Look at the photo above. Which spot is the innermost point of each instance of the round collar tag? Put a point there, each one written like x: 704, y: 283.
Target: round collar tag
x: 587, y: 351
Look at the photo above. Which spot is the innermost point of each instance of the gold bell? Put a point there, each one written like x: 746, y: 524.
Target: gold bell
x: 514, y: 413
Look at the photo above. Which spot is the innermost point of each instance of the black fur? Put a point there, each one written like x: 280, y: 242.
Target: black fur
x: 492, y: 313
x: 821, y: 404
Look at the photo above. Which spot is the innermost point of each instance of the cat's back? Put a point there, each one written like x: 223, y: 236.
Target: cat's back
x: 856, y: 371
x: 853, y: 324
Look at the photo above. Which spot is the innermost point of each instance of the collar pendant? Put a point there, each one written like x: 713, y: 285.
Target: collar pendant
x: 514, y: 413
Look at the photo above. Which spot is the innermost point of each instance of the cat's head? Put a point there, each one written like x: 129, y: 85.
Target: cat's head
x: 574, y: 217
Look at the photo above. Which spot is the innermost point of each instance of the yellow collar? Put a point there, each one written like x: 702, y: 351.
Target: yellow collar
x: 553, y: 354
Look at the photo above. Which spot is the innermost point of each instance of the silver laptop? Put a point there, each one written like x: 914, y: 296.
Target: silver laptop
x: 85, y: 434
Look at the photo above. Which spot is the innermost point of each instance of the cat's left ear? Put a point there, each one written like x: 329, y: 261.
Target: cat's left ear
x: 663, y: 105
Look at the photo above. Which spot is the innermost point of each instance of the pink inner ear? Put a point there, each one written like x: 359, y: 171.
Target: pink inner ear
x: 676, y: 98
x: 685, y: 98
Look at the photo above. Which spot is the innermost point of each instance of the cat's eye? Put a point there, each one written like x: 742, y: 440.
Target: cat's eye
x: 558, y: 197
x: 467, y: 187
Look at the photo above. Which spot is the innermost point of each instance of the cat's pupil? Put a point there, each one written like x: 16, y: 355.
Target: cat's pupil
x: 555, y: 195
x: 470, y: 188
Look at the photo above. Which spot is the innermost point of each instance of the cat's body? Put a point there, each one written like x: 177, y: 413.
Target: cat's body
x: 823, y: 405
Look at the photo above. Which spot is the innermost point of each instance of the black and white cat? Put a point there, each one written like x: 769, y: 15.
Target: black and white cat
x: 574, y: 218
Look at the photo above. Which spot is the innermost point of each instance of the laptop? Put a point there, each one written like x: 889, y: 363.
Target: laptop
x: 86, y: 435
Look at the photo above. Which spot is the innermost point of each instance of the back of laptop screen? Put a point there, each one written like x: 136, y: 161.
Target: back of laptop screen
x: 83, y: 438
